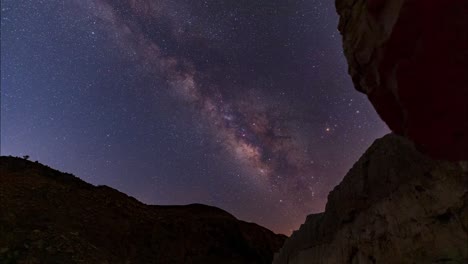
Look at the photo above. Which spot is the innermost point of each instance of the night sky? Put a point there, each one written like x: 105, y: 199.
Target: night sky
x: 240, y: 104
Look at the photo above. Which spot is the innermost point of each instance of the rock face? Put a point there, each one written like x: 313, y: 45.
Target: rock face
x: 50, y: 217
x: 400, y: 203
x: 396, y: 205
x: 411, y: 58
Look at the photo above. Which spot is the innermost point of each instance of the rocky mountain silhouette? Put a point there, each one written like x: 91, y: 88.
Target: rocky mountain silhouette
x: 47, y: 216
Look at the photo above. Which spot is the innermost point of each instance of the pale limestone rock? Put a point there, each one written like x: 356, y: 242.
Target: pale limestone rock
x: 396, y: 205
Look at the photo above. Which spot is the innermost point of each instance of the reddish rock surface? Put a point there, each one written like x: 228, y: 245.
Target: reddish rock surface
x: 398, y: 204
x: 411, y: 58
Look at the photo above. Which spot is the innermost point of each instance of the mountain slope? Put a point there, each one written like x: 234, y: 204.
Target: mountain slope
x: 51, y: 217
x: 396, y: 205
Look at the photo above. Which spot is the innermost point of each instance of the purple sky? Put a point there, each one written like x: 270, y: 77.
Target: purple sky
x: 244, y: 105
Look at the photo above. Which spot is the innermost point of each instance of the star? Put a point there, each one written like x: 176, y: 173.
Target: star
x: 225, y: 102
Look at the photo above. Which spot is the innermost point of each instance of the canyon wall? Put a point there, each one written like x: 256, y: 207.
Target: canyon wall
x: 411, y: 59
x: 396, y: 205
x: 405, y: 200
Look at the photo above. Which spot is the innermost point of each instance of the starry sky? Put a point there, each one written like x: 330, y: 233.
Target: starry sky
x: 244, y: 105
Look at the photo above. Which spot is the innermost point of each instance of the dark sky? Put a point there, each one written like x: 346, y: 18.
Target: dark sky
x: 244, y: 105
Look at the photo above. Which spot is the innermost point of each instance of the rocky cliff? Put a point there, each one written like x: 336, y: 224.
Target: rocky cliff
x: 396, y: 205
x: 411, y: 59
x: 405, y: 200
x: 51, y: 217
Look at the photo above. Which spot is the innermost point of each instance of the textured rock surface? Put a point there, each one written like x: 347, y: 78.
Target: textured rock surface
x: 395, y: 205
x: 411, y: 58
x: 50, y: 217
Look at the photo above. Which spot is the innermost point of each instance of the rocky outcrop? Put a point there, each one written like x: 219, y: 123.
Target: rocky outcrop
x: 411, y: 58
x: 405, y: 200
x: 396, y: 205
x: 51, y: 217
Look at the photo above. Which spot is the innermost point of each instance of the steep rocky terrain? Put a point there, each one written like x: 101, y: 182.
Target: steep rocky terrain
x: 51, y: 217
x: 396, y: 205
x: 405, y: 200
x: 411, y: 59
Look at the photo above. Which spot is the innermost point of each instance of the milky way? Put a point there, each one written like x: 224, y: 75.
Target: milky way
x: 250, y: 130
x: 264, y: 81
